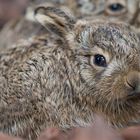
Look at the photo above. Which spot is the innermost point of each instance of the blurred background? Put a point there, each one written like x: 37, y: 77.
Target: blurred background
x: 11, y: 9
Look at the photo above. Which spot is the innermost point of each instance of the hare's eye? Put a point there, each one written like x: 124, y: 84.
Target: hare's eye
x: 116, y: 7
x: 100, y: 60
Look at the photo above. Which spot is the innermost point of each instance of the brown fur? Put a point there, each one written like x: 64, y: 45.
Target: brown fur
x: 51, y: 80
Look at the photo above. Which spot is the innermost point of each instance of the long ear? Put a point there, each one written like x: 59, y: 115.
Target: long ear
x: 55, y: 20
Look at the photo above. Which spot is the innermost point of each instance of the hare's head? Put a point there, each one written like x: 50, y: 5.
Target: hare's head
x: 124, y: 10
x: 109, y: 62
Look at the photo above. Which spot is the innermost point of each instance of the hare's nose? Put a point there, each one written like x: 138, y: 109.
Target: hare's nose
x: 133, y: 81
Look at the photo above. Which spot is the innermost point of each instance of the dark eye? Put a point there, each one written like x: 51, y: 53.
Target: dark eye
x: 100, y: 60
x: 116, y: 7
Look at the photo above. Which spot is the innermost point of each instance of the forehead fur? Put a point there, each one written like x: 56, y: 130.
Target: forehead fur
x: 118, y: 38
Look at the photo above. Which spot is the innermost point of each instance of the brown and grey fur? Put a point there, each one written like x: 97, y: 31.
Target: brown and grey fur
x: 52, y: 80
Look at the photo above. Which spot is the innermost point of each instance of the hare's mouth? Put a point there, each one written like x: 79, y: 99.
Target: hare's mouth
x: 134, y: 94
x: 134, y: 89
x: 134, y: 123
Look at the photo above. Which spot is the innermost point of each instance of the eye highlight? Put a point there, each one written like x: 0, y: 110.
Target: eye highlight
x: 116, y: 8
x: 99, y: 60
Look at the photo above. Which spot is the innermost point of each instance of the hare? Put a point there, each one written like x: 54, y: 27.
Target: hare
x: 118, y: 10
x: 65, y: 77
x: 124, y: 10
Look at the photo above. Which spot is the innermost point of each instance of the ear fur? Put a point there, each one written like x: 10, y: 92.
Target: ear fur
x: 55, y: 20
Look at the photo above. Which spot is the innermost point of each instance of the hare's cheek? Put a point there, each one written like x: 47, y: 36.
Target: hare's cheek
x: 119, y: 89
x: 110, y: 89
x: 88, y: 74
x: 113, y: 87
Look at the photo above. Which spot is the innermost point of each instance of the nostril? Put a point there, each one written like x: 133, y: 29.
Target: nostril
x: 133, y: 81
x: 130, y: 85
x: 134, y: 90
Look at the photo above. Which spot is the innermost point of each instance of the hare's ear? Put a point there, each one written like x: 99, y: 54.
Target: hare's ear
x: 55, y: 20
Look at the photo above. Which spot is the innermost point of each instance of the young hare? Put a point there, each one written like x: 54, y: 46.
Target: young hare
x: 64, y: 78
x: 124, y: 10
